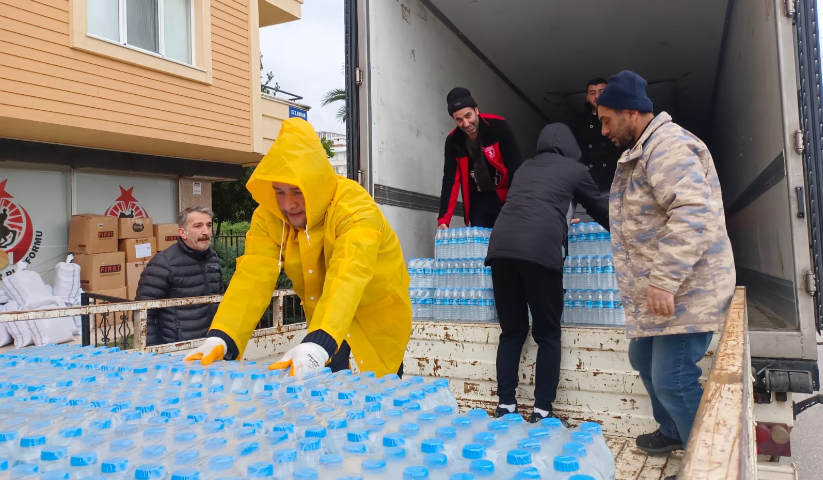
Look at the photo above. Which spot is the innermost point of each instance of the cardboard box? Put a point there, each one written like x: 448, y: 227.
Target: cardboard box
x: 133, y: 271
x: 166, y: 235
x: 102, y: 271
x: 90, y: 233
x: 114, y: 292
x: 135, y: 227
x: 131, y: 291
x: 138, y: 249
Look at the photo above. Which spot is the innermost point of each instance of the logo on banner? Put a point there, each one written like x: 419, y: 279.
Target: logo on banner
x: 19, y: 241
x: 126, y: 206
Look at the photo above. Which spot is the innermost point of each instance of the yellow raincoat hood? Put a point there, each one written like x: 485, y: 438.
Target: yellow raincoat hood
x: 296, y: 158
x: 347, y: 266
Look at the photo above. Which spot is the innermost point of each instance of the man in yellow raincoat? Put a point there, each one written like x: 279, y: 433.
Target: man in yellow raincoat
x: 338, y: 250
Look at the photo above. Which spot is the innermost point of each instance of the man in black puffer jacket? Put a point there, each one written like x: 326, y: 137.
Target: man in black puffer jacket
x: 527, y: 261
x: 188, y: 269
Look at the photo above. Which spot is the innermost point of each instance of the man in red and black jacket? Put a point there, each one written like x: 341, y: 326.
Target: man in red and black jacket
x: 481, y: 158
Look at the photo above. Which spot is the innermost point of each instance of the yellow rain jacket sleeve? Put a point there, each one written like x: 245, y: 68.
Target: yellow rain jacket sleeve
x: 347, y: 265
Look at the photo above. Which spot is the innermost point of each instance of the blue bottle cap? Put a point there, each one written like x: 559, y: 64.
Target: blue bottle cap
x: 305, y: 474
x: 372, y: 407
x: 540, y: 433
x: 153, y: 452
x: 513, y: 418
x: 171, y: 413
x: 285, y: 456
x: 431, y: 445
x: 31, y: 441
x: 248, y: 448
x: 309, y: 444
x: 552, y: 423
x: 530, y: 444
x: 83, y: 459
x: 283, y: 427
x: 395, y: 453
x: 275, y: 414
x: 373, y: 397
x: 411, y: 407
x: 415, y: 473
x: 215, y: 443
x: 417, y: 395
x: 316, y: 432
x: 498, y: 426
x: 114, y: 465
x: 355, y: 448
x: 566, y: 464
x: 158, y: 421
x: 51, y: 454
x: 357, y: 435
x: 435, y: 461
x: 484, y: 438
x: 581, y: 477
x: 211, y: 428
x: 356, y: 414
x: 186, y: 474
x: 8, y: 436
x: 373, y: 465
x: 446, y: 433
x: 477, y: 414
x: 463, y: 476
x: 149, y: 471
x: 24, y: 469
x: 482, y: 468
x: 474, y: 451
x: 55, y: 475
x: 198, y: 417
x: 426, y: 418
x: 574, y: 449
x: 120, y: 444
x: 184, y: 437
x: 69, y: 432
x: 409, y: 429
x: 462, y: 423
x: 244, y: 433
x: 582, y: 437
x: 154, y: 432
x: 219, y: 463
x: 260, y: 470
x: 394, y: 440
x: 519, y: 457
x: 443, y: 410
x: 185, y: 457
x: 331, y: 461
x: 337, y: 423
x: 527, y: 473
x: 394, y: 413
x: 400, y: 401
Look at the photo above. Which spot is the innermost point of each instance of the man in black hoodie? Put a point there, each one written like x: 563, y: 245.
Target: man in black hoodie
x: 597, y: 152
x: 527, y: 261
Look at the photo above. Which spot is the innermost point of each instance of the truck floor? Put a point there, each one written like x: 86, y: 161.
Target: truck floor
x: 633, y: 464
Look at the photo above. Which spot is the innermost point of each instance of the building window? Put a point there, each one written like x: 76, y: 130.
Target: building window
x: 162, y: 27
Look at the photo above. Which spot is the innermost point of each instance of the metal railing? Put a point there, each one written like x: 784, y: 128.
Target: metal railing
x: 133, y: 316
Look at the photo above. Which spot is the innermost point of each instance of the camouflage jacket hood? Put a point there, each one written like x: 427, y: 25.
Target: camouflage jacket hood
x: 668, y: 229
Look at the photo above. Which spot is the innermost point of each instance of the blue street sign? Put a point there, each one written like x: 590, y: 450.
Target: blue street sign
x: 297, y: 112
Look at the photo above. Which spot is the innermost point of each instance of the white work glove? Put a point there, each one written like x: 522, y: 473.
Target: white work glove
x: 304, y: 358
x: 214, y: 348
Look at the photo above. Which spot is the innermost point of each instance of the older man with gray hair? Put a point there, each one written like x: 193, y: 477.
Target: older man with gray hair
x: 189, y: 268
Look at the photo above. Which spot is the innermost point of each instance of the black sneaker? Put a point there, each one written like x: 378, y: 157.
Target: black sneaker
x: 536, y: 417
x: 502, y: 411
x: 656, y: 443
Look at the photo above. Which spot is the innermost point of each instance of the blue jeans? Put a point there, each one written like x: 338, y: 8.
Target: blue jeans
x: 668, y: 367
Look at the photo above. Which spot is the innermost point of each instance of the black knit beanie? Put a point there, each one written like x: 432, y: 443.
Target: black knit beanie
x: 626, y: 91
x: 459, y: 98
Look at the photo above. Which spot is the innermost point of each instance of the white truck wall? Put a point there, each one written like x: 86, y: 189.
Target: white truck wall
x: 748, y: 138
x: 414, y: 61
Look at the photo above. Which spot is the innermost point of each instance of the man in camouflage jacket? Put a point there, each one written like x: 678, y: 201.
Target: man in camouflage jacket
x: 672, y: 254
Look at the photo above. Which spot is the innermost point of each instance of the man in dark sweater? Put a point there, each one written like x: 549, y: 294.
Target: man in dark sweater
x: 597, y: 152
x: 189, y: 268
x: 481, y: 156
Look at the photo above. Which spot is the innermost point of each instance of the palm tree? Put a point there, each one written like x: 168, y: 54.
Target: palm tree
x: 336, y: 95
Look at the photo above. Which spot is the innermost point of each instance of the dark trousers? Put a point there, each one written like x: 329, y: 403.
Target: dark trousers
x: 485, y: 207
x: 340, y: 360
x: 519, y: 286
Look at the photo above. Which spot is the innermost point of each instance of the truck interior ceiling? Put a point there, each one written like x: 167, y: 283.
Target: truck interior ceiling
x: 705, y: 61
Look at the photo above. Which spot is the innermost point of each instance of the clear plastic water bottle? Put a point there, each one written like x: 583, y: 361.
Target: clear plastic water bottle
x: 438, y: 243
x: 589, y: 315
x: 567, y: 273
x: 516, y: 460
x: 53, y: 458
x: 83, y: 464
x: 579, y: 314
x: 565, y: 466
x: 577, y: 273
x: 608, y: 272
x: 599, y: 308
x: 574, y: 238
x: 115, y: 468
x: 284, y: 463
x: 568, y: 308
x: 597, y: 272
x: 416, y: 472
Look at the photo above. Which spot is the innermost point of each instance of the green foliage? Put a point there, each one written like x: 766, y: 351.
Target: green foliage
x: 327, y: 146
x: 231, y: 201
x: 336, y: 95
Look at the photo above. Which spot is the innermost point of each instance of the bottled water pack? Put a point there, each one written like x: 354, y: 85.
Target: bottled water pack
x: 451, y: 289
x: 73, y: 413
x: 592, y: 296
x: 460, y: 243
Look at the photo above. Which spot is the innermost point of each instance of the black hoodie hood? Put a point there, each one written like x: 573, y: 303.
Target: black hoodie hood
x: 558, y: 138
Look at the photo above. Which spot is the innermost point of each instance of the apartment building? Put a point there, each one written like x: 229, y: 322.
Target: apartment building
x: 126, y: 108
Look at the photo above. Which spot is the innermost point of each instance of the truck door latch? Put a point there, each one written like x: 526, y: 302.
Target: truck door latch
x: 358, y: 76
x: 790, y: 8
x: 811, y: 283
x: 799, y: 146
